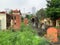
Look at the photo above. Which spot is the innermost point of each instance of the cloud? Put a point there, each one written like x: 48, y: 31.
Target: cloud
x: 21, y: 4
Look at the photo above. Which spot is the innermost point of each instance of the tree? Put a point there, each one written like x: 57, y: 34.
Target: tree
x: 10, y: 11
x: 41, y: 13
x: 53, y: 9
x: 29, y: 16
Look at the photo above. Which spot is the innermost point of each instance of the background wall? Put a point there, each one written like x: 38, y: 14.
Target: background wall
x: 3, y: 21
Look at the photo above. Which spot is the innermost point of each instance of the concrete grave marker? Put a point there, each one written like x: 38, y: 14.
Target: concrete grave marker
x: 52, y: 34
x: 25, y: 21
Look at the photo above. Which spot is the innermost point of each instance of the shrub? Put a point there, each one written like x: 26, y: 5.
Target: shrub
x: 26, y: 37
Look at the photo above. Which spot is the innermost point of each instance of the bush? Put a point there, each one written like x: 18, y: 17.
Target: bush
x: 6, y: 38
x: 28, y: 38
x: 25, y: 37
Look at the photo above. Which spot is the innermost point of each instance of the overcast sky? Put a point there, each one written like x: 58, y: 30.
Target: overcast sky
x: 22, y: 4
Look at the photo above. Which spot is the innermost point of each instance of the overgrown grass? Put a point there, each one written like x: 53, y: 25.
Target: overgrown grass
x: 26, y: 36
x: 58, y: 27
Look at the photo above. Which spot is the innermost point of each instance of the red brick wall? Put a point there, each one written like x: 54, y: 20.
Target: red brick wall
x: 18, y: 22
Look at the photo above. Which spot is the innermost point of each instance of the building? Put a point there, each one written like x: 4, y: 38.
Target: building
x: 10, y: 20
x: 16, y: 18
x: 33, y: 10
x: 3, y: 20
x: 24, y: 15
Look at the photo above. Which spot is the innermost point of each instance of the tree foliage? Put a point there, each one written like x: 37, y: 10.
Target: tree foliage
x: 29, y: 16
x: 41, y: 13
x: 53, y: 9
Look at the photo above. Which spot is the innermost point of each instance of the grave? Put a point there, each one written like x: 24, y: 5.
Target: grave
x: 52, y: 34
x: 25, y: 21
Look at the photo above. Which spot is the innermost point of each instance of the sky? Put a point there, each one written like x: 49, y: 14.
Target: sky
x: 23, y: 5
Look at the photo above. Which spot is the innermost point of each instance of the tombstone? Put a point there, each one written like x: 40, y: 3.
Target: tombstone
x: 59, y: 34
x: 16, y: 19
x: 26, y: 21
x: 52, y: 34
x: 57, y: 22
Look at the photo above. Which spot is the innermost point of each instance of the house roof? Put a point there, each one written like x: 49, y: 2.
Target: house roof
x: 16, y: 11
x: 3, y: 12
